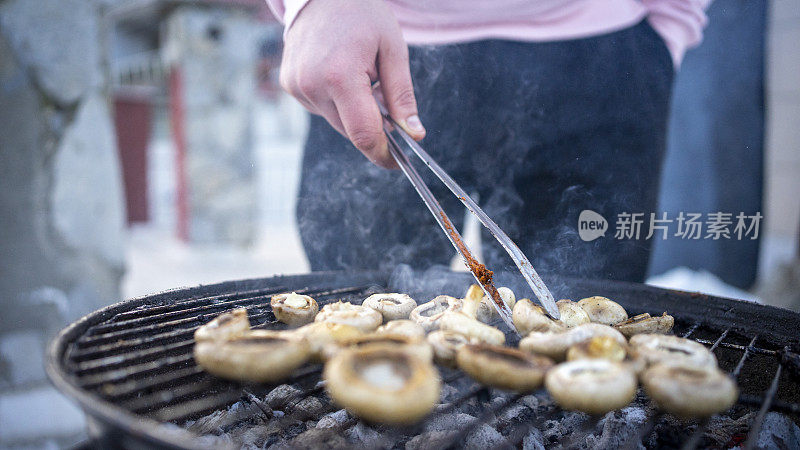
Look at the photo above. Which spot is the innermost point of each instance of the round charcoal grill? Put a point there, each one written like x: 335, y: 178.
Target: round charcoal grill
x: 130, y: 368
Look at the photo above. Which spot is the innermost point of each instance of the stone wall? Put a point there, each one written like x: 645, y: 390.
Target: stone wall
x: 61, y: 201
x: 215, y: 51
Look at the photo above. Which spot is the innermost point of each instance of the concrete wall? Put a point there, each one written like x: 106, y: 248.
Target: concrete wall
x: 61, y: 203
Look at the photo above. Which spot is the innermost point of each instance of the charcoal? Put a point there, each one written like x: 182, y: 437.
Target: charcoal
x: 483, y: 437
x: 281, y: 395
x: 431, y: 440
x: 533, y: 440
x: 308, y: 408
x: 333, y: 419
x: 314, y: 438
x: 363, y: 435
x: 618, y: 427
x: 450, y: 421
x: 218, y: 421
x: 778, y: 431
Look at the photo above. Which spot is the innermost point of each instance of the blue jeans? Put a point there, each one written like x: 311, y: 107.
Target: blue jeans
x: 537, y: 131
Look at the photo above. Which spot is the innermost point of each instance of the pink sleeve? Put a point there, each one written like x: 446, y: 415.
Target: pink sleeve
x: 679, y: 22
x: 286, y: 11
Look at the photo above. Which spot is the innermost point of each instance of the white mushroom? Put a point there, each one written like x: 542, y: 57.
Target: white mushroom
x: 319, y: 335
x: 445, y: 344
x: 503, y: 367
x: 428, y: 314
x: 593, y: 386
x: 528, y: 317
x: 416, y: 345
x: 644, y: 323
x: 658, y: 348
x: 461, y: 323
x: 391, y: 306
x: 690, y: 391
x: 603, y: 310
x: 486, y: 309
x: 383, y: 383
x: 259, y: 355
x: 571, y: 313
x: 555, y: 345
x: 294, y: 309
x: 225, y: 326
x: 472, y: 302
x: 361, y: 317
x: 403, y: 327
x: 598, y: 347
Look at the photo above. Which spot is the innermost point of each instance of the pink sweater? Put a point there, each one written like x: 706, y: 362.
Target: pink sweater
x: 679, y: 22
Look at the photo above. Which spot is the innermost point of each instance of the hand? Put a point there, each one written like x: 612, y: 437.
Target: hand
x: 333, y: 52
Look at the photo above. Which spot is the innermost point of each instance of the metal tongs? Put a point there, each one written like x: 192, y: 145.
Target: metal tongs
x: 400, y: 143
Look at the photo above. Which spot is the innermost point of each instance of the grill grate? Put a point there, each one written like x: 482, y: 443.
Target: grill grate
x: 141, y: 361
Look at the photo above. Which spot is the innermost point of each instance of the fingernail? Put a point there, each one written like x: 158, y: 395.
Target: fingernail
x: 414, y: 124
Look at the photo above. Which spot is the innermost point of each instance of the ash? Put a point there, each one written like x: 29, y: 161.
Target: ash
x: 287, y: 418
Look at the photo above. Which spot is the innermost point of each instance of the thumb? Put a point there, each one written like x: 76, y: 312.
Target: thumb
x: 396, y: 87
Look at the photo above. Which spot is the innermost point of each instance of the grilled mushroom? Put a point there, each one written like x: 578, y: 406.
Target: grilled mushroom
x: 429, y: 314
x: 571, y: 313
x: 445, y: 344
x: 391, y: 306
x: 259, y: 356
x: 383, y: 383
x: 416, y: 345
x: 690, y: 391
x: 224, y: 326
x: 644, y: 323
x: 321, y: 334
x: 361, y: 317
x: 598, y: 347
x: 503, y: 367
x: 294, y: 309
x: 403, y: 327
x: 603, y: 310
x: 658, y: 348
x: 461, y: 323
x: 555, y: 345
x: 472, y: 304
x: 594, y: 386
x: 528, y: 317
x: 486, y: 308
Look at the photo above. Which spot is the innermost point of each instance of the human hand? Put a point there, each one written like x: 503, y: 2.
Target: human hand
x: 333, y: 52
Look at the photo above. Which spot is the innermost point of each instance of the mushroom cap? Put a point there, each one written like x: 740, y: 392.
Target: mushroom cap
x: 359, y: 316
x: 603, y: 310
x: 594, y: 386
x: 294, y: 309
x: 690, y: 391
x: 646, y: 324
x: 555, y: 345
x: 571, y: 313
x: 472, y: 303
x: 445, y: 344
x: 528, y: 317
x: 486, y: 308
x: 503, y: 367
x: 405, y: 327
x: 428, y: 314
x: 391, y: 306
x: 416, y: 345
x: 322, y: 334
x: 461, y: 323
x: 383, y: 383
x: 598, y: 347
x: 659, y: 348
x: 259, y: 356
x: 225, y: 326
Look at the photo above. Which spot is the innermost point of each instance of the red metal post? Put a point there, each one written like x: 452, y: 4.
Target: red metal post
x: 178, y: 122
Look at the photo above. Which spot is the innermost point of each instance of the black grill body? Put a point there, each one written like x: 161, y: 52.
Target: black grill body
x: 130, y: 365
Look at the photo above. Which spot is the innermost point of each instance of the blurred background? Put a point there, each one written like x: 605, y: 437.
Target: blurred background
x: 146, y: 145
